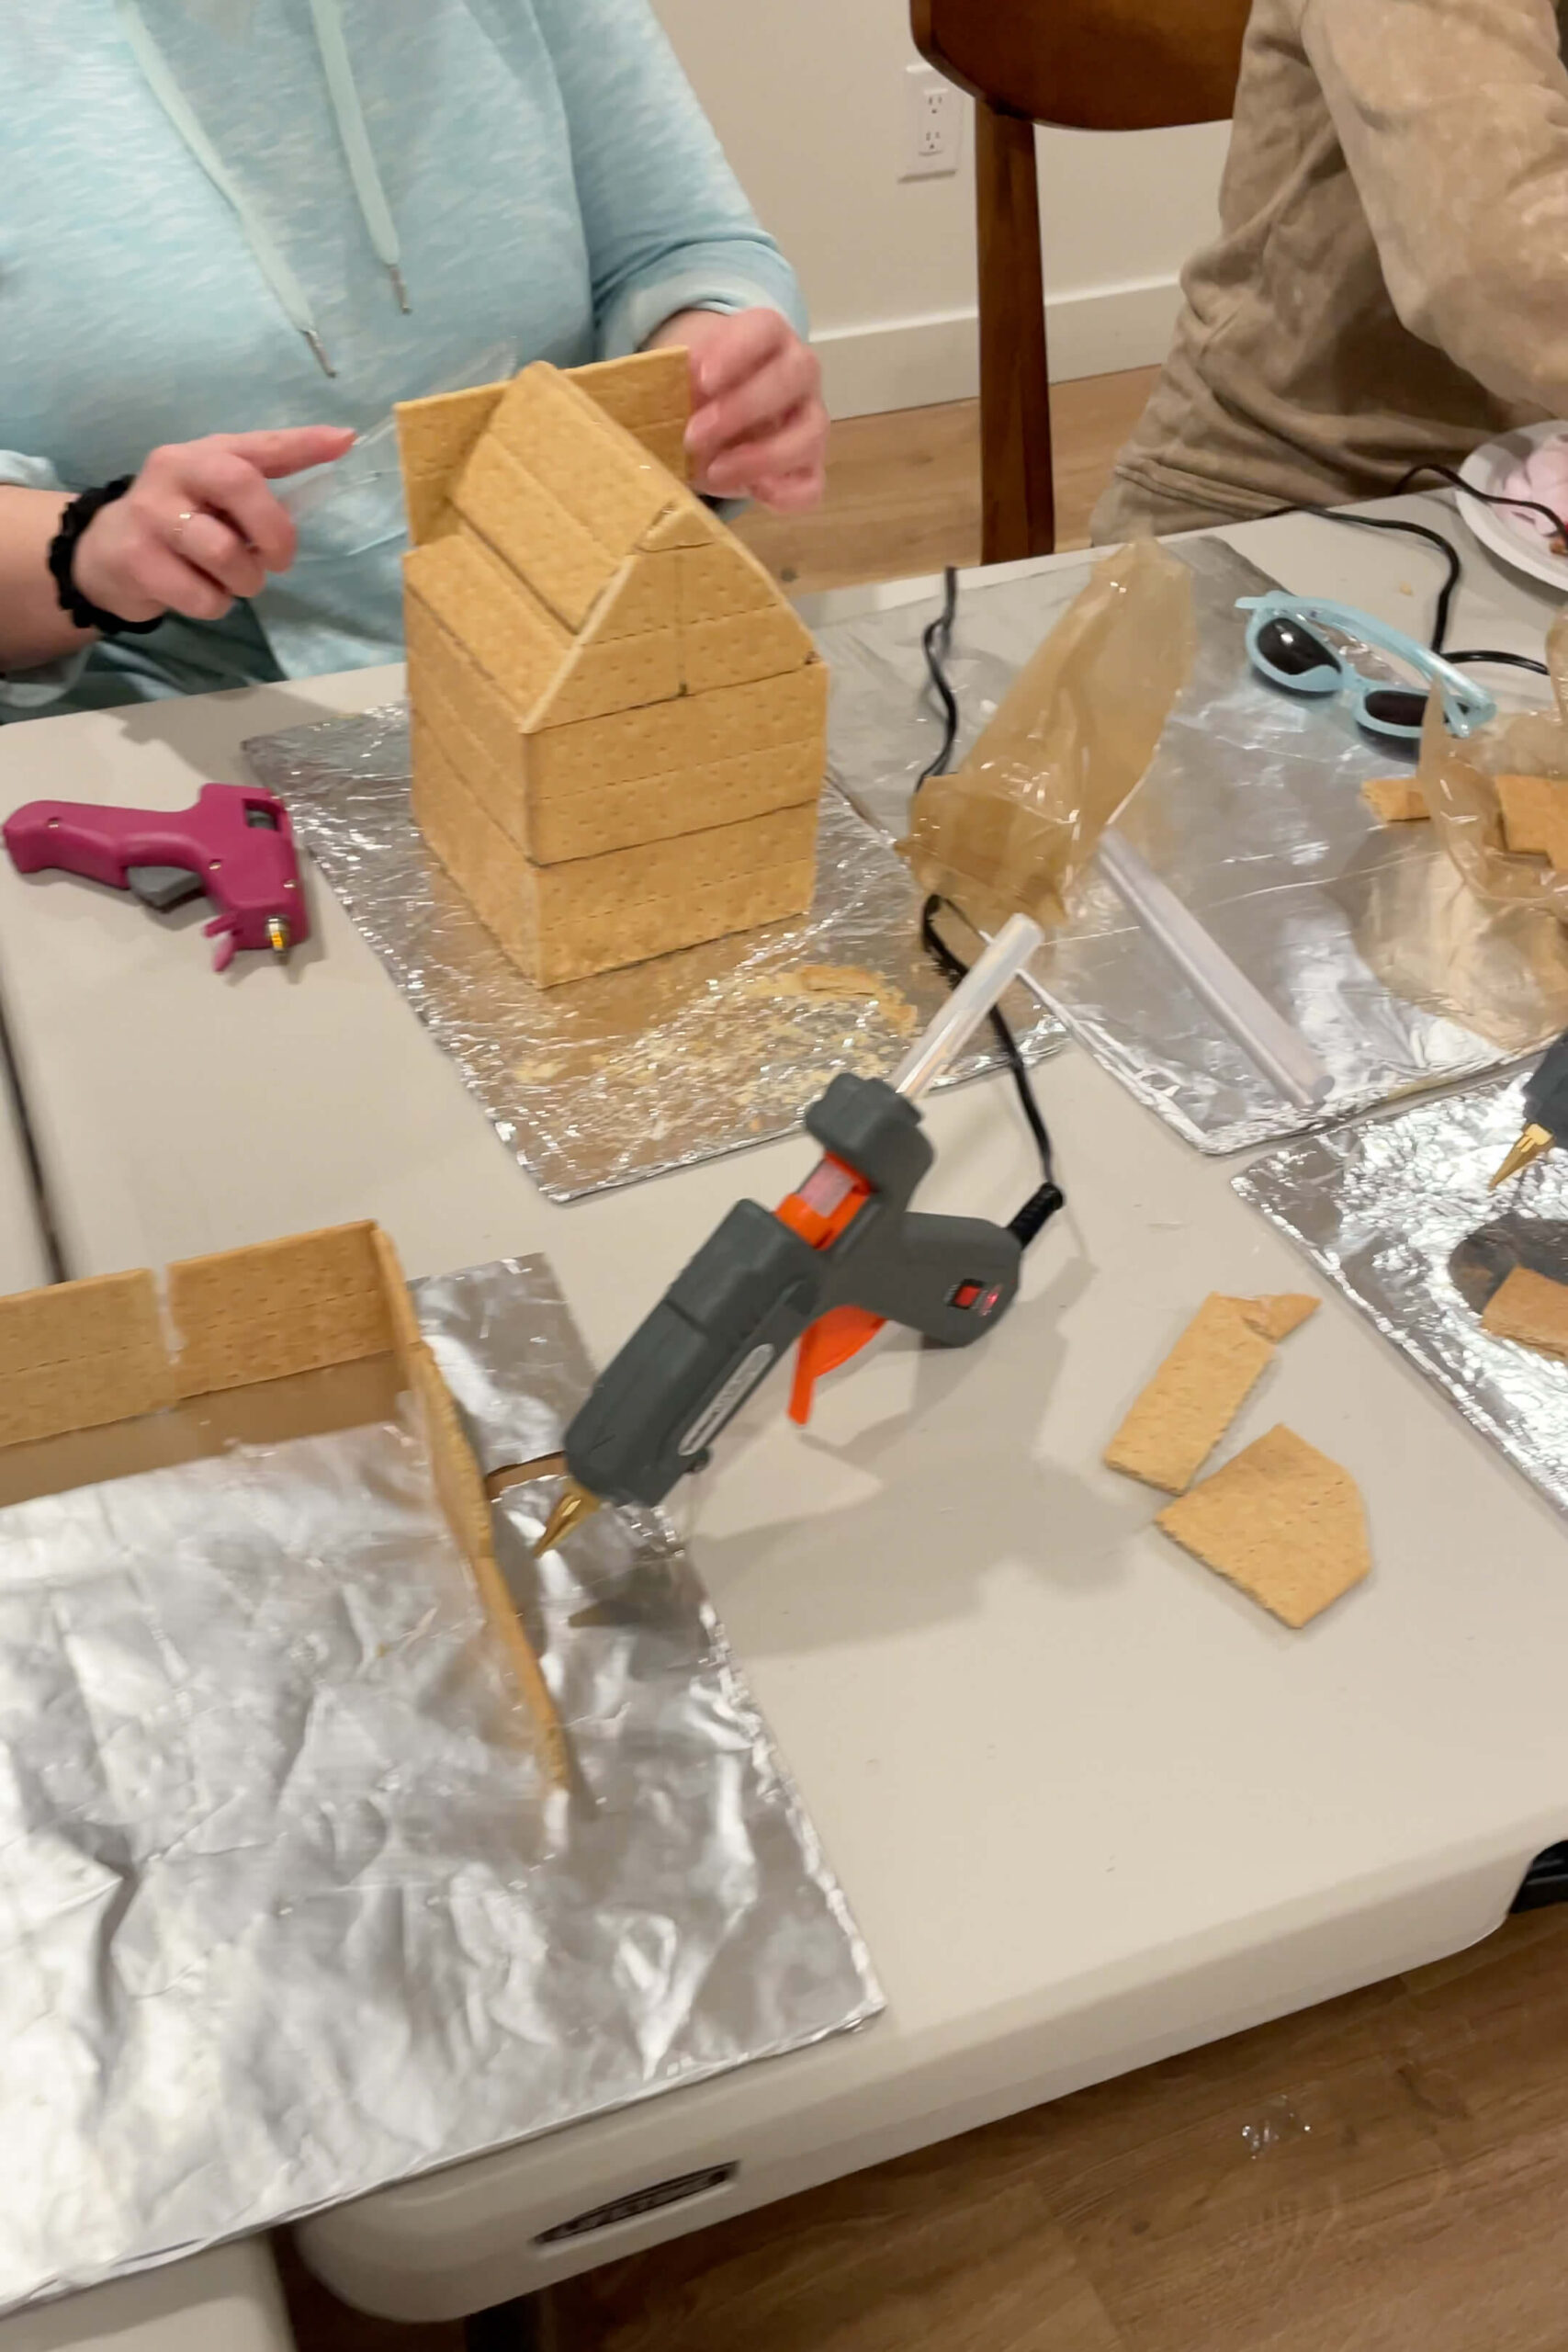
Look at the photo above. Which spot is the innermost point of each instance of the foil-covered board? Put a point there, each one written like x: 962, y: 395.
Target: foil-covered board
x: 639, y: 1071
x: 284, y: 1915
x: 1396, y: 1212
x: 1252, y: 812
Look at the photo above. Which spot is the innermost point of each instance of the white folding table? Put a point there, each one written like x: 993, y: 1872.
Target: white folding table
x: 1088, y: 1805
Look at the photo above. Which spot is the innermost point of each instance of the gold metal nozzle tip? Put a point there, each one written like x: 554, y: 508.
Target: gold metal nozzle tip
x: 1529, y: 1148
x: 278, y: 937
x: 575, y: 1505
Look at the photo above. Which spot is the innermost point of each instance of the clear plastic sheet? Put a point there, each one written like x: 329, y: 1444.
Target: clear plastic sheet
x: 281, y: 1914
x: 643, y: 1070
x: 1396, y: 1212
x: 1251, y: 811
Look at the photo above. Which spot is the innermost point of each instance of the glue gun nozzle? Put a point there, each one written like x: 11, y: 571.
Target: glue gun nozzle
x: 278, y: 937
x: 575, y: 1505
x: 1530, y: 1148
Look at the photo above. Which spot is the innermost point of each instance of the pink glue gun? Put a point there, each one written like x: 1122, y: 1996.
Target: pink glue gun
x: 236, y: 846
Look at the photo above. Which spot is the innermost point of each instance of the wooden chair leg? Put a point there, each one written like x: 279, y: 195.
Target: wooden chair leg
x: 1018, y: 486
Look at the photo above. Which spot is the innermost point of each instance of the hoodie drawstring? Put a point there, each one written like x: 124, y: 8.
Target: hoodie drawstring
x: 327, y: 19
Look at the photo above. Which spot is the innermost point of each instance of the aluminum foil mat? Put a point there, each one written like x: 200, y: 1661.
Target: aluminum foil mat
x: 640, y: 1071
x: 1396, y: 1212
x: 1252, y: 811
x: 282, y: 1918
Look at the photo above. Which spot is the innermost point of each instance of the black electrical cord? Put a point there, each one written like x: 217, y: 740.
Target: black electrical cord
x: 1043, y: 1204
x: 1442, y: 613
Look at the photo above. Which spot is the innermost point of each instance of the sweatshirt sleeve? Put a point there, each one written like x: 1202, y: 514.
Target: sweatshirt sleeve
x: 667, y: 227
x: 26, y: 691
x: 1453, y: 118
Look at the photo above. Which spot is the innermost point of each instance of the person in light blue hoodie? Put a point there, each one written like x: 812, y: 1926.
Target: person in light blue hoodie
x: 234, y: 232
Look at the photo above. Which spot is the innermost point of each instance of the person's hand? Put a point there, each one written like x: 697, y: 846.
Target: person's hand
x: 758, y: 428
x: 198, y: 526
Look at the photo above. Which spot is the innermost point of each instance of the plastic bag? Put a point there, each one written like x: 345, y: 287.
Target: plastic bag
x: 1459, y: 775
x: 1010, y: 831
x: 1478, y: 933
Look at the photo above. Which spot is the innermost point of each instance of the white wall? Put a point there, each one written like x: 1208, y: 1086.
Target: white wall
x: 808, y: 97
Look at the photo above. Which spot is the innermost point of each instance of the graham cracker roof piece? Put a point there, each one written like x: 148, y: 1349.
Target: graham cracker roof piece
x: 562, y: 555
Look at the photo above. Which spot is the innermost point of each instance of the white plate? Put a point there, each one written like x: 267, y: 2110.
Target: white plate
x: 1508, y: 535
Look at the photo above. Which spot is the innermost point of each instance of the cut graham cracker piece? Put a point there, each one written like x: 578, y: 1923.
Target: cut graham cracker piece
x: 282, y: 1307
x: 81, y: 1355
x: 1535, y: 816
x: 1282, y: 1522
x: 460, y: 1490
x: 684, y: 523
x: 1276, y: 1316
x: 1532, y: 1309
x: 1193, y: 1399
x: 746, y: 646
x: 647, y: 389
x: 1396, y: 800
x: 721, y: 580
x: 642, y: 596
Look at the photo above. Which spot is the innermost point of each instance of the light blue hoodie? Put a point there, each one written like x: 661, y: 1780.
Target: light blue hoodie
x: 204, y: 204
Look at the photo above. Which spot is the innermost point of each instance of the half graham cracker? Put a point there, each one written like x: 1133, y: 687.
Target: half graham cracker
x: 1282, y: 1522
x: 1531, y: 1308
x: 1194, y: 1397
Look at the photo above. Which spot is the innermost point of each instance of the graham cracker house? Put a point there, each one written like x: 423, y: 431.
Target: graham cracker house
x: 619, y: 723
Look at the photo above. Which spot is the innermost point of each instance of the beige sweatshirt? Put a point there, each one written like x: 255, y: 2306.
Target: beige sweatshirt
x: 1391, y: 278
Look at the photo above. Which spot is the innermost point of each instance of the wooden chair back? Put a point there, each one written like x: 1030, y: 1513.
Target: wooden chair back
x: 1078, y: 65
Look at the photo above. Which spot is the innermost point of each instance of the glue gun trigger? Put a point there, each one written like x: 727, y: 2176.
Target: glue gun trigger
x: 221, y: 929
x: 830, y: 1342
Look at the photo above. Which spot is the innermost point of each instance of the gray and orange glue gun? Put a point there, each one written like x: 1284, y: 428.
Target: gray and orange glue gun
x: 235, y: 846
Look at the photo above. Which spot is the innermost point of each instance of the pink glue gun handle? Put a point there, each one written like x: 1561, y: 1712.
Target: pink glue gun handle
x: 238, y: 840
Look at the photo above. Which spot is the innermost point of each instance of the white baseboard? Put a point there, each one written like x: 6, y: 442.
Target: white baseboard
x: 913, y: 363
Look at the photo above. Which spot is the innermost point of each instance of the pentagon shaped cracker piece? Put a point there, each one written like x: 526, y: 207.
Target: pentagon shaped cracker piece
x: 1531, y: 1308
x: 1194, y: 1397
x: 1282, y: 1522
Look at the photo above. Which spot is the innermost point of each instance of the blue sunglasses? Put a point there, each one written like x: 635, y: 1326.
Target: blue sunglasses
x: 1285, y: 649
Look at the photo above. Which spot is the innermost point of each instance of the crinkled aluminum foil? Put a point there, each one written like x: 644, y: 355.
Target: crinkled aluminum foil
x: 1252, y: 811
x: 639, y: 1071
x: 281, y: 1917
x: 1396, y: 1211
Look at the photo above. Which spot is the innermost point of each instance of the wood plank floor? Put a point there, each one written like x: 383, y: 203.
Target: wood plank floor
x: 1388, y: 2173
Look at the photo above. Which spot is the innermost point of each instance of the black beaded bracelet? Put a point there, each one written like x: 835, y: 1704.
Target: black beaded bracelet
x: 62, y: 555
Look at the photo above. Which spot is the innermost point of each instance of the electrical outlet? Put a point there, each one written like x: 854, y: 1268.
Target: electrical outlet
x: 933, y: 125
